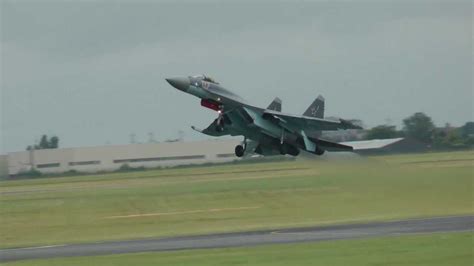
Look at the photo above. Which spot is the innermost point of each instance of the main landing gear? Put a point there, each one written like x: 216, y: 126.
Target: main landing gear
x: 240, y: 149
x: 319, y: 151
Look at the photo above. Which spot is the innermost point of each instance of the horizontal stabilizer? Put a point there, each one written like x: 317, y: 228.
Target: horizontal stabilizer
x: 316, y: 109
x: 275, y: 105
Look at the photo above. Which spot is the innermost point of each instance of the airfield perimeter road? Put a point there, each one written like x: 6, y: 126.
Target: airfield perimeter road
x: 240, y: 239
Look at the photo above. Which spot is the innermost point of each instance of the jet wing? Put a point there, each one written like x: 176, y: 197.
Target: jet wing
x: 308, y: 123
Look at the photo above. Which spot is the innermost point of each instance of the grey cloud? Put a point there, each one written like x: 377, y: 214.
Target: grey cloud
x: 96, y: 70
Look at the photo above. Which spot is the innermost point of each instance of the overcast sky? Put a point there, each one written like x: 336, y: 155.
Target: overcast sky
x: 93, y: 72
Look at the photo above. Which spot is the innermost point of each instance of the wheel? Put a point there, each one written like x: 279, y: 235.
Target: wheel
x: 283, y: 149
x: 239, y: 150
x: 319, y: 151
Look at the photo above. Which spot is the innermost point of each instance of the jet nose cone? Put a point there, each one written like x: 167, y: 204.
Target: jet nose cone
x: 180, y: 83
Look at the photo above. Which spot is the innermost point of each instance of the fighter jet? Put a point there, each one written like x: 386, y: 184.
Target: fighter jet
x: 266, y: 131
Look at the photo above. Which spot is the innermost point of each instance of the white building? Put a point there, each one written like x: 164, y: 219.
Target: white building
x: 109, y: 158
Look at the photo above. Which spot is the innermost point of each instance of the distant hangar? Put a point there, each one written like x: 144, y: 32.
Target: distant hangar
x: 167, y: 154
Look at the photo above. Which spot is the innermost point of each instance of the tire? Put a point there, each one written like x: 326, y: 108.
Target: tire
x: 283, y: 150
x: 319, y: 151
x: 288, y: 149
x: 239, y: 151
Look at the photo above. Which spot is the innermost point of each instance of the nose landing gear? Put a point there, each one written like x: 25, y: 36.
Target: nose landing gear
x: 220, y: 121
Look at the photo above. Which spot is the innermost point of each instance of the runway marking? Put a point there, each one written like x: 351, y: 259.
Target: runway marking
x: 41, y: 247
x: 183, y: 212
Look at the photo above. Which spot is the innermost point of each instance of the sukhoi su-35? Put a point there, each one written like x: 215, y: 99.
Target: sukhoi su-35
x: 266, y: 131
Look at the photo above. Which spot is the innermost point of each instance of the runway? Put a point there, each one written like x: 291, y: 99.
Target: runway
x: 241, y: 239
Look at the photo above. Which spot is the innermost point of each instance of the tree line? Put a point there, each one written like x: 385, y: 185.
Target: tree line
x: 45, y: 143
x: 420, y: 126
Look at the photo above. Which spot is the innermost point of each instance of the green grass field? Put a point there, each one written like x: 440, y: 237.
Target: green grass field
x: 201, y: 200
x: 453, y: 249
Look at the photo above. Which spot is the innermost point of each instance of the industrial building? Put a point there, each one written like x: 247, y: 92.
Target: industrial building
x: 110, y: 158
x: 167, y: 154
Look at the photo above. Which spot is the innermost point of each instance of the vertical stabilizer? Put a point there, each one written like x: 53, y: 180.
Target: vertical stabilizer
x: 316, y: 109
x: 275, y: 105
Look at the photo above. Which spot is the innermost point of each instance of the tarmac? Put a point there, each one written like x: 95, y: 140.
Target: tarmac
x: 245, y: 239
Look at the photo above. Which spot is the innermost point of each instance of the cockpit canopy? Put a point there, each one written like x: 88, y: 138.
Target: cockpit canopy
x: 206, y: 78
